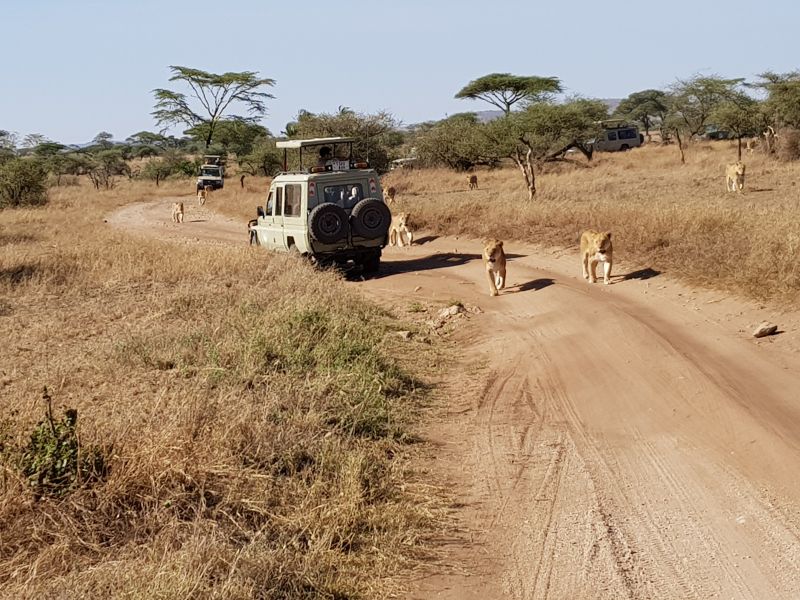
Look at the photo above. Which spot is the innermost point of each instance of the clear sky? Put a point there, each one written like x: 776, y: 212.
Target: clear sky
x: 72, y: 68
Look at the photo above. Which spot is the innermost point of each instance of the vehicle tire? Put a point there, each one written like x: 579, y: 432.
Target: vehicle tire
x: 327, y: 223
x: 624, y: 147
x: 370, y: 219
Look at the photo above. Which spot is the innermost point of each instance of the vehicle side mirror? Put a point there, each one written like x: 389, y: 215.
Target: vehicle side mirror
x: 260, y: 211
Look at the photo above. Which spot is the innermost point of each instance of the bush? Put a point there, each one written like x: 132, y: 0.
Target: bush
x: 787, y: 145
x: 53, y: 461
x: 23, y: 182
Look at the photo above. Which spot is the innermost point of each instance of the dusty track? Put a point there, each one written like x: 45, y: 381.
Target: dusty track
x: 623, y: 441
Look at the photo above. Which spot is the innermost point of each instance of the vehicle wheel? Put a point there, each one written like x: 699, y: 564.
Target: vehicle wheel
x: 624, y: 147
x: 370, y: 219
x: 327, y: 223
x: 371, y: 263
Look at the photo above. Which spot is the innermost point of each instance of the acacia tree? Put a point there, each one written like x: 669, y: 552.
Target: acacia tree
x: 693, y: 100
x: 544, y: 131
x: 375, y: 134
x: 213, y: 94
x: 457, y: 141
x: 504, y: 90
x: 648, y: 107
x: 741, y: 115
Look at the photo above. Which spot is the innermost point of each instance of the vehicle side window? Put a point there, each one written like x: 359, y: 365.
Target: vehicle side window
x: 627, y: 134
x: 292, y: 199
x: 270, y: 202
x: 278, y: 201
x: 612, y: 136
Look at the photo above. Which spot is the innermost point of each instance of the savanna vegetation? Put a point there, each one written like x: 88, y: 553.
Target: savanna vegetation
x: 184, y: 421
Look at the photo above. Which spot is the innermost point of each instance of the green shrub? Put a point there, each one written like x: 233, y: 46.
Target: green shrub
x: 54, y: 461
x: 23, y: 182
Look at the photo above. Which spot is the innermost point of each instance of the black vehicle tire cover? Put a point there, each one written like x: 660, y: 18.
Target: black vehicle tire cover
x: 370, y: 219
x: 327, y: 223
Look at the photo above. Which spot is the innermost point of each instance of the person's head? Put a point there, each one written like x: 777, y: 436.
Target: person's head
x: 354, y: 191
x: 325, y: 152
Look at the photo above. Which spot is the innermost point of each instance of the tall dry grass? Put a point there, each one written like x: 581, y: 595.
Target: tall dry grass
x: 663, y: 215
x: 253, y: 415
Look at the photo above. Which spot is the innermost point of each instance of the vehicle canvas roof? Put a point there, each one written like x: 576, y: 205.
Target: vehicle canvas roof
x: 313, y: 142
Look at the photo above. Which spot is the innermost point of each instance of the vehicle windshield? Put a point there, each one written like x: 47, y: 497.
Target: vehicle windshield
x: 212, y: 171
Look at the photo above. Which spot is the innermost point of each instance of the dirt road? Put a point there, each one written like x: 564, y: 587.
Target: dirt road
x: 622, y: 441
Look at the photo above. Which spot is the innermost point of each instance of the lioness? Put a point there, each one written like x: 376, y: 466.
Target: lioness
x: 201, y: 196
x: 473, y: 182
x: 389, y: 194
x: 596, y: 247
x: 398, y: 228
x: 734, y: 177
x: 494, y: 260
x: 177, y: 212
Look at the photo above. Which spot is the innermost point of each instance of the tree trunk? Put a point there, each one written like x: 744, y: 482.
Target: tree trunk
x: 740, y: 147
x: 680, y: 146
x: 527, y: 171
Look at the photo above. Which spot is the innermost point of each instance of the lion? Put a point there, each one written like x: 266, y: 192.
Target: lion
x: 389, y: 194
x: 734, y: 177
x: 494, y: 260
x: 750, y: 145
x: 177, y: 212
x: 201, y: 196
x: 596, y: 247
x: 473, y: 182
x: 398, y: 228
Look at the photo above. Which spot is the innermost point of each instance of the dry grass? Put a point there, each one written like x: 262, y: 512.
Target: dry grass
x: 665, y: 216
x: 255, y: 421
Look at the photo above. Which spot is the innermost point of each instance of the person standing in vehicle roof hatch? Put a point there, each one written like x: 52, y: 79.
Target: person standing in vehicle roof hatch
x: 325, y: 155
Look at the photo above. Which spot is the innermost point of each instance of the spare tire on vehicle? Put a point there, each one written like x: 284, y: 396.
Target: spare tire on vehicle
x: 328, y: 224
x: 370, y: 219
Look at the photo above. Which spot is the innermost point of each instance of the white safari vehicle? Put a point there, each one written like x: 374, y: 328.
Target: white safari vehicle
x: 617, y: 135
x: 330, y: 209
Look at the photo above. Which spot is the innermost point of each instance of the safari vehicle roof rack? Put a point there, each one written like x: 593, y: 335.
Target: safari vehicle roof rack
x: 613, y: 123
x: 313, y: 142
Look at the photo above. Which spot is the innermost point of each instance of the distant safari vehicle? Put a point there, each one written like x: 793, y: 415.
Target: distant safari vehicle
x: 617, y: 135
x: 212, y: 173
x: 403, y: 163
x: 332, y: 211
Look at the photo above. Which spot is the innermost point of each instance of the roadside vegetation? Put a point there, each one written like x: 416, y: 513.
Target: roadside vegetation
x: 197, y: 421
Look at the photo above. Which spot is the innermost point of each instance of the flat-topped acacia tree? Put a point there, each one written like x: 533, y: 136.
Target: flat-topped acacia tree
x: 504, y: 90
x: 213, y: 94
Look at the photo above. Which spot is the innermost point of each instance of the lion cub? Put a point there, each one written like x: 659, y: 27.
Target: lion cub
x: 596, y: 247
x: 734, y: 177
x: 201, y: 196
x: 177, y: 212
x: 398, y: 228
x: 494, y: 260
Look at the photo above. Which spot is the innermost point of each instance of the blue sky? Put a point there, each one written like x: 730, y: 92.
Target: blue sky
x: 72, y: 68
